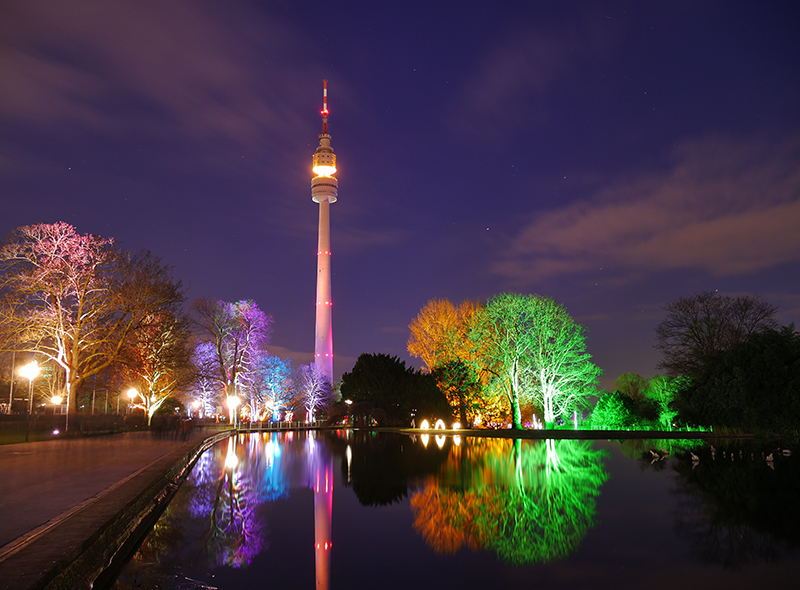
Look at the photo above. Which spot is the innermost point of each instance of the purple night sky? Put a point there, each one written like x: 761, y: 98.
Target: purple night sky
x: 611, y: 155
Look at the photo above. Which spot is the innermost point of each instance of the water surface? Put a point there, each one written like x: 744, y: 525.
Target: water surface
x: 356, y: 510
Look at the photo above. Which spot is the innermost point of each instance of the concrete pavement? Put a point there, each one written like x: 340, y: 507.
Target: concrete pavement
x: 56, y: 495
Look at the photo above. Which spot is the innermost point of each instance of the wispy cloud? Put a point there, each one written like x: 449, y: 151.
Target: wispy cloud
x: 177, y: 68
x: 724, y: 206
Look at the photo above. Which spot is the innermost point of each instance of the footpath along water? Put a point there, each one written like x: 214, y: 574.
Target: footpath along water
x: 49, y: 489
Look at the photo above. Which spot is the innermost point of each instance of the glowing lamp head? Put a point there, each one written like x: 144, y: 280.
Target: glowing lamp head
x: 30, y: 371
x: 56, y: 399
x: 232, y: 402
x: 132, y: 393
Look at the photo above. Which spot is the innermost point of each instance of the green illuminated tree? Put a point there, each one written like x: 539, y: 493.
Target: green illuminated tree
x: 536, y: 351
x: 551, y: 505
x: 662, y: 389
x: 631, y: 384
x: 613, y: 412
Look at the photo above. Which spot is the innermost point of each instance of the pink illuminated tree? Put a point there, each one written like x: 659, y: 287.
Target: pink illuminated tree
x: 77, y: 299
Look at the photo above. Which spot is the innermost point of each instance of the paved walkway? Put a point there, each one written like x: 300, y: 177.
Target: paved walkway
x: 44, y: 484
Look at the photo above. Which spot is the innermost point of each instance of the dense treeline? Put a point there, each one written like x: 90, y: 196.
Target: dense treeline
x: 517, y: 354
x: 96, y: 316
x: 754, y: 386
x: 738, y: 368
x: 729, y: 366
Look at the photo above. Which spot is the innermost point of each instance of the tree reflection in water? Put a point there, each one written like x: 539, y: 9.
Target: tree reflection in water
x: 527, y: 501
x: 736, y: 507
x: 214, y: 521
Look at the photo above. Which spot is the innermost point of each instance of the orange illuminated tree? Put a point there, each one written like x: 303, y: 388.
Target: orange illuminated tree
x: 438, y: 333
x: 440, y: 337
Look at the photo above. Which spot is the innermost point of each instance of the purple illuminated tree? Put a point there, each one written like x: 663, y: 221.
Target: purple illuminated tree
x: 225, y: 495
x: 207, y: 390
x: 231, y: 338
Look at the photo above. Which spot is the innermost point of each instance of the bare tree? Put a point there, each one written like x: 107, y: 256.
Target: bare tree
x: 231, y: 337
x: 157, y: 359
x: 207, y: 390
x: 77, y: 299
x: 314, y: 390
x: 700, y: 327
x: 272, y: 385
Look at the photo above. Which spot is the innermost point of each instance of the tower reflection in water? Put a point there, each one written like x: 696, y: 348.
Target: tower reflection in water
x: 527, y: 502
x: 321, y: 463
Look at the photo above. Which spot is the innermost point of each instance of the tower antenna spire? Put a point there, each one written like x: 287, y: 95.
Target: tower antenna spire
x: 324, y: 107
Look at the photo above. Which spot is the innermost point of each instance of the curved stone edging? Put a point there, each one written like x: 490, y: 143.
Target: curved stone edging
x: 91, y: 563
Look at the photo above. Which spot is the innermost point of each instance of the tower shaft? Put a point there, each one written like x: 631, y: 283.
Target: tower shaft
x: 323, y: 340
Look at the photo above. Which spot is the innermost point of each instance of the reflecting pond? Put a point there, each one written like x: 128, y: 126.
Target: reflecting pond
x: 352, y: 510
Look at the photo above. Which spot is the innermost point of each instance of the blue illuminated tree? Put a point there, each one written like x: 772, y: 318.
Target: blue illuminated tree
x: 271, y: 382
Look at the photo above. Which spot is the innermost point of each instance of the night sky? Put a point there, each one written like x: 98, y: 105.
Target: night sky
x: 611, y: 155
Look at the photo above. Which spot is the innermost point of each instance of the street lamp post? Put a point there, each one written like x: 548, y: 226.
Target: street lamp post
x: 233, y: 403
x: 132, y: 393
x: 29, y: 371
x: 11, y: 384
x: 56, y: 399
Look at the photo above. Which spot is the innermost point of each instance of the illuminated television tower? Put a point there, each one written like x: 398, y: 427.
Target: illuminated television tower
x: 324, y: 190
